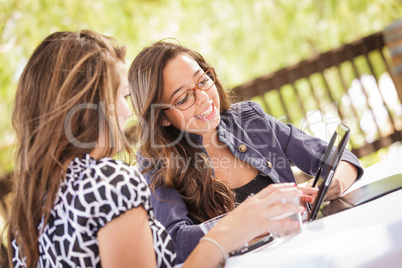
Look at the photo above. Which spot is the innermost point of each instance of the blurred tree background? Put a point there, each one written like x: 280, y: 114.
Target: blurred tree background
x: 242, y: 39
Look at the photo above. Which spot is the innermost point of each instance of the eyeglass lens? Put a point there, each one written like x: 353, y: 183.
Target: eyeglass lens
x: 187, y: 99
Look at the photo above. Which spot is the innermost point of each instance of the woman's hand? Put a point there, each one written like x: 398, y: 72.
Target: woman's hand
x: 249, y: 220
x: 344, y: 177
x: 252, y: 217
x: 308, y: 193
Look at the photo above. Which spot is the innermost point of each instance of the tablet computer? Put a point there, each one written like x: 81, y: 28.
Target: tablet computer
x: 364, y: 194
x: 332, y: 157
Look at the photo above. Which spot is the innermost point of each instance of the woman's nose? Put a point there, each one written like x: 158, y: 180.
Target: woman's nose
x: 201, y: 96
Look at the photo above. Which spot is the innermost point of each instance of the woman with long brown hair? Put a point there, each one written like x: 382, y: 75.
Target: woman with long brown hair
x: 69, y: 111
x: 75, y: 206
x: 203, y: 156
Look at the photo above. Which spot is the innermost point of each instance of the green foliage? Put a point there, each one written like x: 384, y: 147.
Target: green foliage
x: 243, y: 39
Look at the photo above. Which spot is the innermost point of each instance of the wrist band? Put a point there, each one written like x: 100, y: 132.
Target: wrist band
x: 225, y: 256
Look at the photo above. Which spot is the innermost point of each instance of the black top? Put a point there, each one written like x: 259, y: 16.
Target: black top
x: 254, y: 186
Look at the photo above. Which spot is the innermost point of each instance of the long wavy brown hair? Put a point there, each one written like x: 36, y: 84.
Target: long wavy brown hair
x: 60, y: 111
x: 178, y: 163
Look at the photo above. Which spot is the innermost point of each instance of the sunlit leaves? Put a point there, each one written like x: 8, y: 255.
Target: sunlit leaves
x: 242, y: 39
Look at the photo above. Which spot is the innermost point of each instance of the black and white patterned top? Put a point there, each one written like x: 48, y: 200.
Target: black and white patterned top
x: 93, y: 193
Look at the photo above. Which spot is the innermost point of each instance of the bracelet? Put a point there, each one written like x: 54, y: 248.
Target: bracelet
x: 225, y: 256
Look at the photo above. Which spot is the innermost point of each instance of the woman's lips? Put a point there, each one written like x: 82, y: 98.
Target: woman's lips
x: 207, y: 114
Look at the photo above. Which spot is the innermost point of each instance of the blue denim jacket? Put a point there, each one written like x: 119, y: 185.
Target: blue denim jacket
x: 256, y: 138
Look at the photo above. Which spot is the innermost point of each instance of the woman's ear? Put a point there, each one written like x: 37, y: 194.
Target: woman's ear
x: 165, y: 122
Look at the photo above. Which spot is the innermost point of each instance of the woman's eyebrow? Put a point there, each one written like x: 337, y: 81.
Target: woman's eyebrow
x: 179, y: 88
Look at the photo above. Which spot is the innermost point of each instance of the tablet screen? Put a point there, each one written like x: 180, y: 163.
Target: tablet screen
x: 333, y: 155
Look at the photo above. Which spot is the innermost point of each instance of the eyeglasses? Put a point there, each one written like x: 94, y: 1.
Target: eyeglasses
x: 188, y: 98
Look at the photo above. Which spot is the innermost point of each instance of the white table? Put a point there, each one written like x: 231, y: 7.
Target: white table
x: 369, y: 235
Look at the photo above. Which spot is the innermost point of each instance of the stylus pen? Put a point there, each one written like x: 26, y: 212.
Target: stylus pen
x: 323, y: 160
x: 308, y: 207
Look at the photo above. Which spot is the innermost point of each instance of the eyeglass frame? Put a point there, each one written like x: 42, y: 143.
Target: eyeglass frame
x: 194, y: 89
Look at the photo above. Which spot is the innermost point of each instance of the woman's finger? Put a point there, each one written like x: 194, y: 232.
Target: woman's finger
x: 273, y: 187
x: 280, y: 209
x: 334, y: 191
x: 332, y: 194
x: 310, y: 183
x: 280, y: 194
x: 306, y: 199
x: 309, y: 194
x: 308, y: 190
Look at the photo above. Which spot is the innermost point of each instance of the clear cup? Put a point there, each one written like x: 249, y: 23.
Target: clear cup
x: 284, y: 230
x: 207, y: 225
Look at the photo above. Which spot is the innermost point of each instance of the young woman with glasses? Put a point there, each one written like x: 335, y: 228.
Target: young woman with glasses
x: 75, y: 206
x: 203, y: 156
